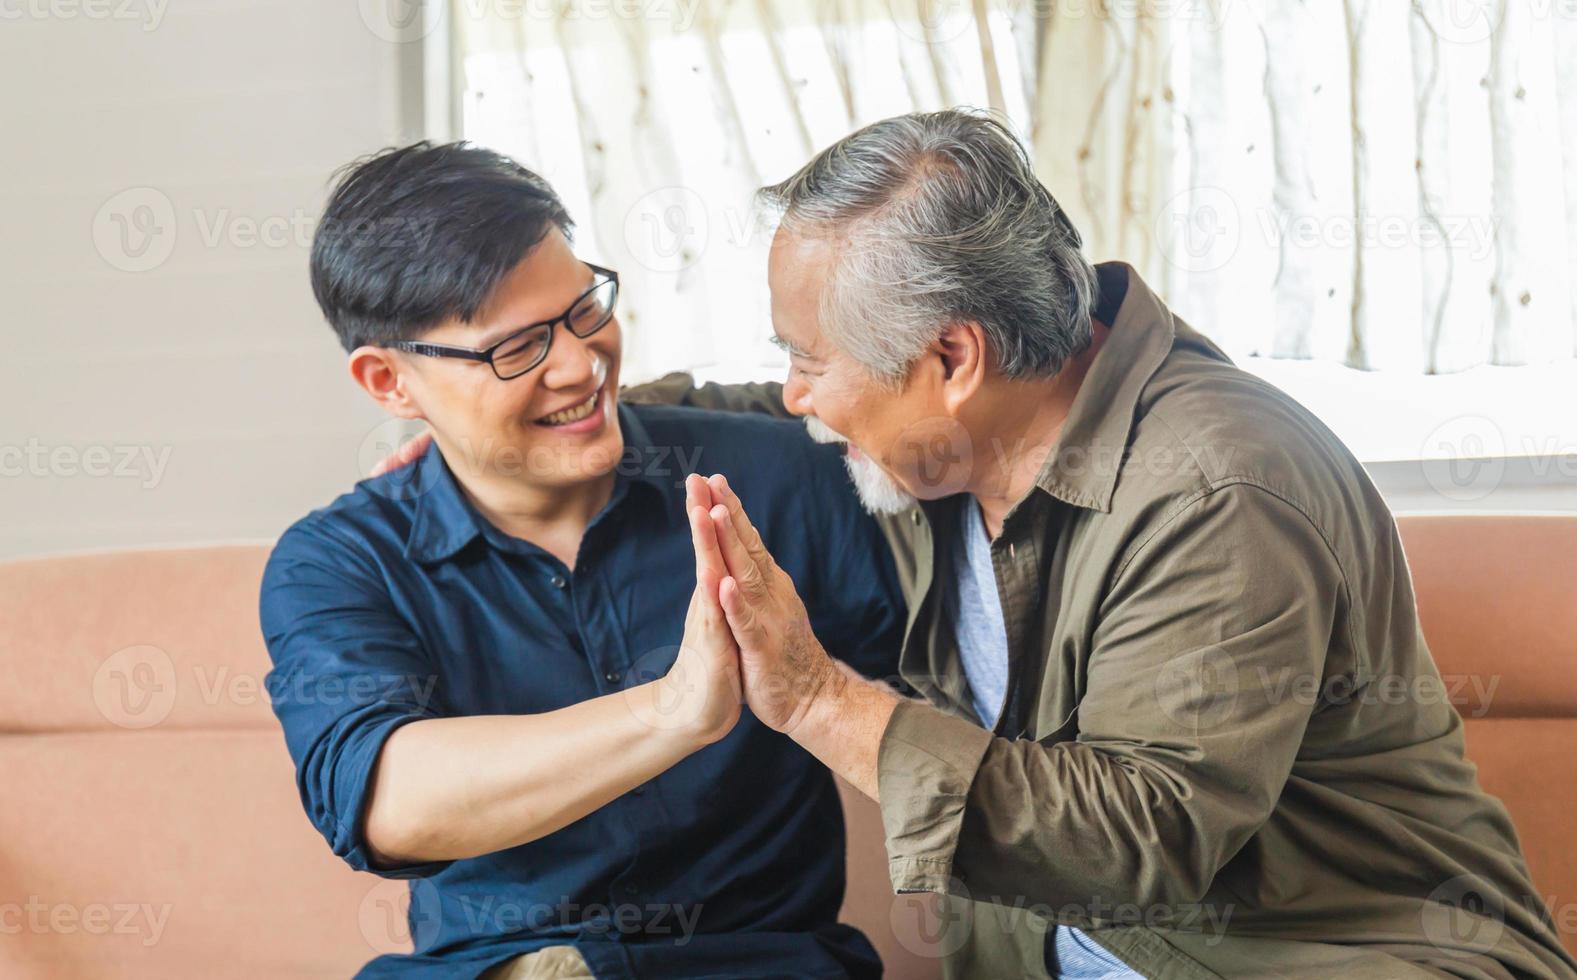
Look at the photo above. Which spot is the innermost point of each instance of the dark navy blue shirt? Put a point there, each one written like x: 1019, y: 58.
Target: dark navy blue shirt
x: 400, y: 602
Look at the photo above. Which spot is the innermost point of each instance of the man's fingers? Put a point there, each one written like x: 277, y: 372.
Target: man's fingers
x: 741, y: 563
x: 405, y: 454
x: 741, y: 618
x: 724, y: 494
x: 697, y: 492
x: 709, y: 565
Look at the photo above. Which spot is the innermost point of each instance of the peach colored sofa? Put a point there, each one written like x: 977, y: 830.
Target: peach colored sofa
x: 151, y: 827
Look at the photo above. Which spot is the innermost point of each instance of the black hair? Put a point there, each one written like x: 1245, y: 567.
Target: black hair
x: 416, y: 235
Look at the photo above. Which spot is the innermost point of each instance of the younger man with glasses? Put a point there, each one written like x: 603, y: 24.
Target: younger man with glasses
x: 495, y: 670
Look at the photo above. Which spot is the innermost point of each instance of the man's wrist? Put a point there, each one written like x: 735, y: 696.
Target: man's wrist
x: 843, y: 700
x: 661, y: 707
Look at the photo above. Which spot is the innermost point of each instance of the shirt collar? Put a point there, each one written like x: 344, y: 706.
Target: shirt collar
x: 445, y: 521
x: 1082, y: 469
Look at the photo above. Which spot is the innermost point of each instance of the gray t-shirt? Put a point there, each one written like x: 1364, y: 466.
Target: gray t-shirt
x: 982, y: 637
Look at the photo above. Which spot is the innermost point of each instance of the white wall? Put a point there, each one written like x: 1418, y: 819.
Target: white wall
x: 190, y: 391
x: 212, y: 359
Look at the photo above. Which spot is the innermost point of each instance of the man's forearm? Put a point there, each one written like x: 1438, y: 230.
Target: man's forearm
x: 844, y: 724
x: 452, y: 788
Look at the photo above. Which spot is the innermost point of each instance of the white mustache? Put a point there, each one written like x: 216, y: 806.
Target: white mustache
x: 879, y: 492
x: 822, y: 432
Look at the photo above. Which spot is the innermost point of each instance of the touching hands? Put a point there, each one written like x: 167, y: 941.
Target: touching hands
x: 784, y: 668
x: 701, y: 691
x: 747, y: 636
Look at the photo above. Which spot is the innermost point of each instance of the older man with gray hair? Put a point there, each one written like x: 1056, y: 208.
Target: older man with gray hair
x: 1151, y: 599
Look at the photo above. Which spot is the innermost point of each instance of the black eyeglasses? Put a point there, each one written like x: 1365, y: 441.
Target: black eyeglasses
x: 527, y: 347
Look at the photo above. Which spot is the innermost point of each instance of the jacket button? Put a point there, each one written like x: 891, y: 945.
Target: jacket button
x: 914, y: 516
x: 612, y: 677
x: 559, y: 582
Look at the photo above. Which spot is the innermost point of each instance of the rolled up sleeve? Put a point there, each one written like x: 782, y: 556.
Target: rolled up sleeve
x: 1188, y: 726
x: 348, y: 671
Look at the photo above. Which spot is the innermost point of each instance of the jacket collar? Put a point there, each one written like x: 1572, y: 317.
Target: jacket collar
x: 1082, y: 468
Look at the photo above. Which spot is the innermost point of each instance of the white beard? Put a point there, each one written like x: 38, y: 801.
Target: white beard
x: 879, y: 493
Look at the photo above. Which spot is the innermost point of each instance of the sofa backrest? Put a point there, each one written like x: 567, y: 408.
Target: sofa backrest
x: 153, y: 829
x: 1497, y: 596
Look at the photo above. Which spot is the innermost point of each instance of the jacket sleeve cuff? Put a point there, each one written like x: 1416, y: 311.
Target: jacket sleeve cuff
x: 924, y: 768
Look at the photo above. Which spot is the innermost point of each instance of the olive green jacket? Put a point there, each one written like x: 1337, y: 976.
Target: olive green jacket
x: 1225, y: 749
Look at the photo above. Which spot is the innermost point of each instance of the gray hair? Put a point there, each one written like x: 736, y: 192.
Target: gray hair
x: 937, y: 218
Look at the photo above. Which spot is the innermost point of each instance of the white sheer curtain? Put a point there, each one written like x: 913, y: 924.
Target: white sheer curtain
x: 1380, y: 183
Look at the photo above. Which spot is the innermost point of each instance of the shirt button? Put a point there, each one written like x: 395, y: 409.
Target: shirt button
x: 612, y: 677
x: 560, y: 582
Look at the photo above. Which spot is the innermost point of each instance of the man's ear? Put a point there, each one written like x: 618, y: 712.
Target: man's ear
x: 379, y: 372
x: 961, y: 350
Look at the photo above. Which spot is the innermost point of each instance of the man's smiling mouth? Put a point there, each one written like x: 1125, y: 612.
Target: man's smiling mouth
x: 572, y: 414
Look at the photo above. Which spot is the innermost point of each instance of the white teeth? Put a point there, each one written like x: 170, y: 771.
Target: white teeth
x: 575, y: 414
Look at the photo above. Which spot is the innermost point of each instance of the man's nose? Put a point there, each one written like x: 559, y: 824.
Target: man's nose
x: 571, y: 361
x: 796, y: 397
